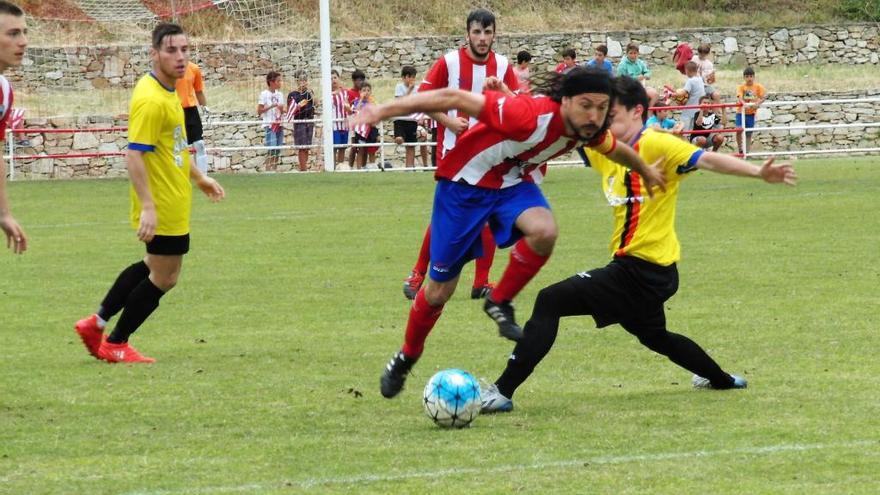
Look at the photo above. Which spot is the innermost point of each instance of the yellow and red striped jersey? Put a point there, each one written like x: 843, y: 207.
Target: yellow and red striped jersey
x: 644, y: 227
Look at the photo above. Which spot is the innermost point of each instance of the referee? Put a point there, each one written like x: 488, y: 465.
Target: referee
x: 191, y: 91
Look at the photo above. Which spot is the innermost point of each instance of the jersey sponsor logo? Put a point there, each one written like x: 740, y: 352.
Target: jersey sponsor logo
x: 615, y: 200
x: 584, y: 275
x: 179, y: 146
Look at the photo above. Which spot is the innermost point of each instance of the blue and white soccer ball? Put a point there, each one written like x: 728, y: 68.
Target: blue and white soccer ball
x: 452, y: 398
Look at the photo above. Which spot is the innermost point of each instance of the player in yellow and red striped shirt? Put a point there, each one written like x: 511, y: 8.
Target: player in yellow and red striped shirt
x: 642, y: 275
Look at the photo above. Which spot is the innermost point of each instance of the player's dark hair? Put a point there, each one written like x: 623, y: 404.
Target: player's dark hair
x: 483, y: 17
x: 523, y: 56
x: 162, y: 30
x: 602, y: 49
x: 577, y: 81
x: 271, y: 76
x: 358, y: 74
x: 748, y: 71
x: 10, y: 8
x: 408, y: 71
x: 629, y: 92
x: 570, y: 53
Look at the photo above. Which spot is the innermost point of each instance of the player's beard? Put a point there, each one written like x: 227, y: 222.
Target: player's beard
x: 476, y: 52
x: 585, y: 133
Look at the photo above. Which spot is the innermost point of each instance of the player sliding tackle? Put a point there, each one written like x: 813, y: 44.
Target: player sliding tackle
x: 492, y: 175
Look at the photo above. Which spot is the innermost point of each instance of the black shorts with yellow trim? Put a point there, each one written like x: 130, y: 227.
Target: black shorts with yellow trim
x: 169, y: 245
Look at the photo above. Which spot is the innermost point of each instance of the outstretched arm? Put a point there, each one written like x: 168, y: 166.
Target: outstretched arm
x: 440, y: 100
x: 730, y: 165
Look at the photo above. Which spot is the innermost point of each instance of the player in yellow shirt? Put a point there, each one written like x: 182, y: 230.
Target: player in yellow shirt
x: 642, y: 275
x: 161, y: 197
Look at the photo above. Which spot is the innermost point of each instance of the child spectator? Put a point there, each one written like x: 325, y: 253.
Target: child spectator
x: 270, y: 108
x: 661, y: 121
x: 691, y: 93
x: 600, y: 60
x: 750, y: 94
x: 341, y: 111
x: 364, y: 134
x: 633, y: 66
x: 358, y: 78
x: 521, y: 69
x: 405, y: 127
x: 301, y: 107
x: 706, y: 120
x: 706, y: 70
x: 569, y: 61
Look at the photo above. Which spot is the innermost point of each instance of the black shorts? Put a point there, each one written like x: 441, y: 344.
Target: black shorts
x: 169, y: 245
x: 406, y: 129
x: 193, y: 124
x: 629, y: 291
x: 373, y: 137
x: 303, y: 132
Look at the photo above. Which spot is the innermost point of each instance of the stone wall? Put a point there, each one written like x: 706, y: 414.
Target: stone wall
x: 251, y: 161
x: 120, y: 65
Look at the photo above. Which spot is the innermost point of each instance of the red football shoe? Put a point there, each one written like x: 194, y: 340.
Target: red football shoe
x: 90, y: 333
x: 412, y: 284
x: 121, y: 353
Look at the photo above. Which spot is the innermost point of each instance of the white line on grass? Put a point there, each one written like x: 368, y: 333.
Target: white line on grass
x: 564, y: 464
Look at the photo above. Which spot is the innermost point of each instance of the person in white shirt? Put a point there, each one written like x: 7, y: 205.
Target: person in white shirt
x: 270, y: 109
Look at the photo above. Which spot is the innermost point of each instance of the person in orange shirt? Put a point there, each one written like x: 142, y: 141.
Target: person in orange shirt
x: 191, y: 91
x: 750, y: 94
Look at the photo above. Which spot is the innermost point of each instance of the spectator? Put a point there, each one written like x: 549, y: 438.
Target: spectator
x: 521, y: 70
x: 341, y: 111
x: 270, y: 108
x: 364, y: 134
x: 191, y: 91
x: 430, y: 127
x: 706, y: 70
x: 706, y: 120
x: 301, y: 107
x: 358, y: 78
x: 633, y: 66
x: 690, y: 93
x: 661, y: 121
x: 749, y: 94
x: 600, y: 60
x: 405, y: 128
x: 569, y: 61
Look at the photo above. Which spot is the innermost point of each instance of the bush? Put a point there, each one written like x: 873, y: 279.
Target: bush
x: 861, y: 10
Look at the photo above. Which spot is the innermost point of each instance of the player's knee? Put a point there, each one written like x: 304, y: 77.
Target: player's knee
x: 437, y: 294
x: 543, y: 237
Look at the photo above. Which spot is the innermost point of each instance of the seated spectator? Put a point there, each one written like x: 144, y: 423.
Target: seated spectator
x: 364, y: 134
x: 569, y: 61
x: 405, y: 127
x: 600, y: 60
x: 301, y: 107
x: 661, y: 121
x: 707, y: 120
x: 521, y: 69
x: 690, y: 94
x: 633, y: 66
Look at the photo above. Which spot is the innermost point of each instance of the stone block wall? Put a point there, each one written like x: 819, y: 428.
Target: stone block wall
x: 251, y: 161
x: 100, y: 67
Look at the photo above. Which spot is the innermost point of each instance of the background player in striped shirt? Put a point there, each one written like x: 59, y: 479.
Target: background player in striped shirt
x: 13, y: 43
x: 642, y: 275
x: 492, y: 176
x: 467, y: 68
x: 159, y: 167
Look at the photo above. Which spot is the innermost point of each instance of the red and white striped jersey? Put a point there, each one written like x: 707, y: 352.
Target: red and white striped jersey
x: 6, y: 100
x: 458, y: 70
x: 512, y: 142
x: 340, y: 98
x: 362, y: 130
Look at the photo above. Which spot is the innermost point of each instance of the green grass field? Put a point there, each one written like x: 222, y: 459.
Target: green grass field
x: 270, y: 349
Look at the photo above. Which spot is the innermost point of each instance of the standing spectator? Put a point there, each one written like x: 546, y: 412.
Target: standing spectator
x: 691, y: 93
x: 341, y: 110
x: 406, y: 127
x: 633, y: 66
x: 301, y: 107
x: 707, y: 120
x: 661, y: 121
x: 569, y: 61
x: 13, y: 29
x: 364, y: 134
x: 358, y: 78
x: 270, y: 108
x: 749, y: 94
x: 521, y: 70
x: 191, y: 91
x: 430, y: 127
x: 600, y: 60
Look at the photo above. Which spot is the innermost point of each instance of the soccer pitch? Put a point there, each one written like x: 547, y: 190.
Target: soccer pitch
x: 289, y: 305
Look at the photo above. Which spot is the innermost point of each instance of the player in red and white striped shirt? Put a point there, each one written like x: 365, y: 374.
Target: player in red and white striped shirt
x: 13, y: 43
x: 467, y: 68
x: 491, y: 176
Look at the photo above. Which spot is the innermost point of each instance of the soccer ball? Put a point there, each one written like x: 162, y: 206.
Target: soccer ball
x: 452, y: 398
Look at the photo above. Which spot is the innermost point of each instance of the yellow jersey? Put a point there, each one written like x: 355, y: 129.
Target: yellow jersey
x: 644, y: 227
x: 156, y: 127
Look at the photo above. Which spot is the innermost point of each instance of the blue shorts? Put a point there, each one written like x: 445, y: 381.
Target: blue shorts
x: 750, y: 120
x: 461, y: 211
x: 340, y: 137
x: 274, y: 138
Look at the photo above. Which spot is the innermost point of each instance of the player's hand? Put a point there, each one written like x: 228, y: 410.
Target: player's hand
x: 16, y: 239
x: 147, y: 227
x: 494, y: 84
x: 212, y: 189
x: 367, y: 115
x: 654, y: 177
x: 775, y: 174
x: 458, y: 125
